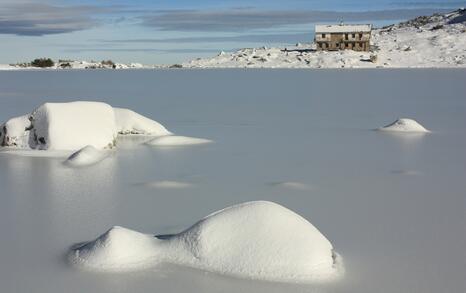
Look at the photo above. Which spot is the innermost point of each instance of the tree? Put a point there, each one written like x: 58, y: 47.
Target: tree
x: 42, y: 62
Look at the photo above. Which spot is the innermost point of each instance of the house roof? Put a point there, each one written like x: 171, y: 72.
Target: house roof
x: 343, y: 28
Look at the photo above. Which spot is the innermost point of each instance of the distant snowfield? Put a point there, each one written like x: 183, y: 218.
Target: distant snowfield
x: 256, y: 240
x: 438, y: 41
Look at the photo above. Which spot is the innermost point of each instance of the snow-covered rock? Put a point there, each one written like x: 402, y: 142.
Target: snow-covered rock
x: 14, y: 131
x: 74, y: 125
x: 86, y: 156
x: 130, y: 122
x: 177, y: 140
x: 257, y: 240
x: 70, y: 126
x: 404, y: 125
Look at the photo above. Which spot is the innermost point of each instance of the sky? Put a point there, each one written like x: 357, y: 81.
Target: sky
x: 164, y: 32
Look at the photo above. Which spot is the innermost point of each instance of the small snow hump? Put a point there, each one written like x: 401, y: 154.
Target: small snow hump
x: 118, y: 249
x: 86, y: 156
x: 405, y: 125
x: 255, y: 240
x: 177, y: 140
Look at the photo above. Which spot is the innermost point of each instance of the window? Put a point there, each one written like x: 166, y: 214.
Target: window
x: 360, y: 36
x: 354, y: 36
x: 346, y: 36
x: 323, y: 36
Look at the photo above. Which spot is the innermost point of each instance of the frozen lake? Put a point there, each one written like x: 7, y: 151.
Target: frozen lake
x: 394, y: 206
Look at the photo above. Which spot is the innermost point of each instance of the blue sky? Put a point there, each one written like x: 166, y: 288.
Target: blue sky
x: 174, y: 31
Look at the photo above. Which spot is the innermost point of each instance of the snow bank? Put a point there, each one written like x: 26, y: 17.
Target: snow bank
x: 176, y: 140
x: 258, y: 240
x: 130, y: 122
x: 86, y: 156
x: 404, y: 125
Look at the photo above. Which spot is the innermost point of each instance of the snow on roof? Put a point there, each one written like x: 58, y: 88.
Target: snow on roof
x: 343, y: 28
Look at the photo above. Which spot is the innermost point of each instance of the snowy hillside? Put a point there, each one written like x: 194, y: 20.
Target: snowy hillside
x: 434, y: 41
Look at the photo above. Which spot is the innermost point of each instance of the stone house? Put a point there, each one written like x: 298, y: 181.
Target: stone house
x: 335, y: 37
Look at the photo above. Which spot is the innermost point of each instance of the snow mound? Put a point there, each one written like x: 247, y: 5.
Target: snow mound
x: 176, y: 140
x: 166, y: 184
x: 292, y: 185
x: 405, y: 125
x: 257, y: 240
x: 86, y: 156
x: 130, y: 122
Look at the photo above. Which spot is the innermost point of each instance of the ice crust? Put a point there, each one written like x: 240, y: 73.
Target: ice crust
x: 256, y: 240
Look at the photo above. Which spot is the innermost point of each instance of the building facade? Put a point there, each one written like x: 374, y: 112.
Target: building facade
x: 343, y: 37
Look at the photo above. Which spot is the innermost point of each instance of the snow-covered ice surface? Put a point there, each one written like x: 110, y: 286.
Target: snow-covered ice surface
x: 404, y: 125
x: 259, y: 240
x: 395, y: 233
x: 435, y: 41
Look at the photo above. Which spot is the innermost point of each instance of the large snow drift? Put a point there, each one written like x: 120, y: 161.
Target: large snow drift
x: 258, y: 240
x: 404, y: 125
x: 74, y: 125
